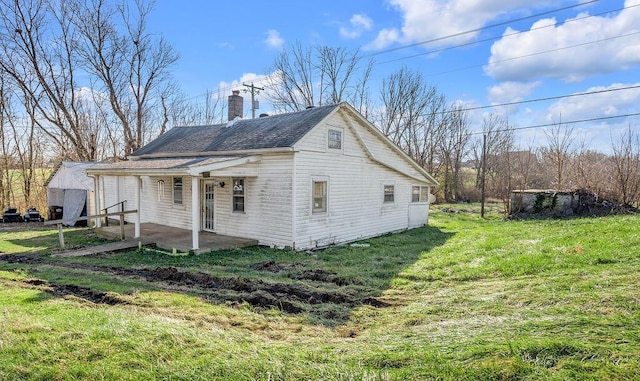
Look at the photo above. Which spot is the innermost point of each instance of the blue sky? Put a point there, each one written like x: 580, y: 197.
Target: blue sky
x: 533, y: 52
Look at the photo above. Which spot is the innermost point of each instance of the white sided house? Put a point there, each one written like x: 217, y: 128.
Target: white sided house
x: 302, y: 180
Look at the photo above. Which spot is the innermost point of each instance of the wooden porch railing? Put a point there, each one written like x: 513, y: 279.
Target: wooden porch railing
x: 86, y: 218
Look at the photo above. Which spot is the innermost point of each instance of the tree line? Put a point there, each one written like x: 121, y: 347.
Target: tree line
x: 87, y: 80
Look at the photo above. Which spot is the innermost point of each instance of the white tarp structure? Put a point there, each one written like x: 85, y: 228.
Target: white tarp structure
x: 69, y: 187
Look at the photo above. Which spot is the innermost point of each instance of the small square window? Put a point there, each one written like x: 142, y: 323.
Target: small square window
x: 335, y: 139
x: 389, y: 193
x: 319, y: 196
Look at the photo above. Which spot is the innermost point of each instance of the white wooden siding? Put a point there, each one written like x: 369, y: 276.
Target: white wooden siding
x: 356, y: 207
x: 163, y: 211
x: 122, y: 188
x: 267, y: 215
x: 381, y: 151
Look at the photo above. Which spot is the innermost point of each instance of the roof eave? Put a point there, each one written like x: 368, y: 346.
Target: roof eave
x: 375, y: 130
x: 215, y: 153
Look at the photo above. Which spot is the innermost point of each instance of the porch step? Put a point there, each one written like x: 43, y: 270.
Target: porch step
x: 111, y: 247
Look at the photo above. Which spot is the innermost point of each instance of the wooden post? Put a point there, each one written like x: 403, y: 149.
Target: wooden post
x: 60, y: 236
x: 195, y: 213
x: 122, y: 226
x: 136, y: 233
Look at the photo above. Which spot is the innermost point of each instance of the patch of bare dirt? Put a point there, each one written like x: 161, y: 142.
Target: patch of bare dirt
x: 319, y: 275
x: 291, y: 298
x: 63, y: 290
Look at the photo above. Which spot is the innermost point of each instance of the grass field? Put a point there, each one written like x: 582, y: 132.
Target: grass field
x: 461, y: 299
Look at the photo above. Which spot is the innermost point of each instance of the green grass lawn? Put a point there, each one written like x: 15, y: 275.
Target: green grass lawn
x: 461, y: 299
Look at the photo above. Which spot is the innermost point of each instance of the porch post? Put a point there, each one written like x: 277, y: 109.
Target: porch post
x: 136, y: 193
x: 195, y: 212
x: 96, y: 200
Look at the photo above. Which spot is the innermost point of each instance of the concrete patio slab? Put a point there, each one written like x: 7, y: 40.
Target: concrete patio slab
x: 169, y: 238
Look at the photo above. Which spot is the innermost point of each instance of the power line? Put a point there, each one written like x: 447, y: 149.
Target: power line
x: 482, y: 28
x: 265, y: 77
x: 536, y: 53
x: 527, y: 101
x: 506, y: 35
x: 555, y: 124
x: 548, y: 98
x: 586, y: 93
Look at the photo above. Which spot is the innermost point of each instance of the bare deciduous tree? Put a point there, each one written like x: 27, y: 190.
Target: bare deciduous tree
x: 129, y: 63
x: 492, y: 154
x: 61, y: 53
x: 414, y: 116
x: 557, y: 155
x: 315, y: 76
x: 626, y: 168
x: 454, y: 144
x: 44, y: 67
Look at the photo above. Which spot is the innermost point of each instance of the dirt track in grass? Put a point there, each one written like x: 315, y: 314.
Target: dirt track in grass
x: 289, y: 297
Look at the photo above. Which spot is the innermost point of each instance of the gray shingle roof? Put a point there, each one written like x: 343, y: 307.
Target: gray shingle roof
x: 276, y: 131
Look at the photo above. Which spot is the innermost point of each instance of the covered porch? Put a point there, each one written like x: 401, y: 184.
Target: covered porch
x: 168, y: 238
x: 192, y: 206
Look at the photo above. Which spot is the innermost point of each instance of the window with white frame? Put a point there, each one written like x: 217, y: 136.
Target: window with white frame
x: 238, y: 195
x: 419, y: 193
x: 319, y: 196
x: 335, y: 139
x: 160, y: 190
x: 177, y: 190
x: 389, y: 193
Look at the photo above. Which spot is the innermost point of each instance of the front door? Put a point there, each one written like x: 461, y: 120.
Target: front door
x: 208, y: 206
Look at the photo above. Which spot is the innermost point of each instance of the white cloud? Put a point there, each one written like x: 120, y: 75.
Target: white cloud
x: 508, y: 92
x: 511, y: 91
x: 385, y: 38
x: 516, y: 56
x: 604, y: 103
x: 431, y: 19
x: 273, y: 39
x: 359, y: 23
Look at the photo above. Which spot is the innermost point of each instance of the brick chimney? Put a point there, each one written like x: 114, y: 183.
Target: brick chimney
x: 235, y: 105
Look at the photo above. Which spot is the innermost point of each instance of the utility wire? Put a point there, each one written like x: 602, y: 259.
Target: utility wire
x: 482, y: 28
x: 559, y: 123
x: 586, y: 93
x: 493, y: 38
x: 547, y: 98
x: 534, y: 54
x: 265, y: 77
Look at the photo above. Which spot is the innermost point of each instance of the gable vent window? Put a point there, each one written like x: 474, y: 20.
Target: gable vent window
x: 335, y: 139
x: 177, y: 190
x: 238, y: 195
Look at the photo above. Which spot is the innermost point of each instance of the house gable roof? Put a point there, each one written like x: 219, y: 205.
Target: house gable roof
x: 276, y: 131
